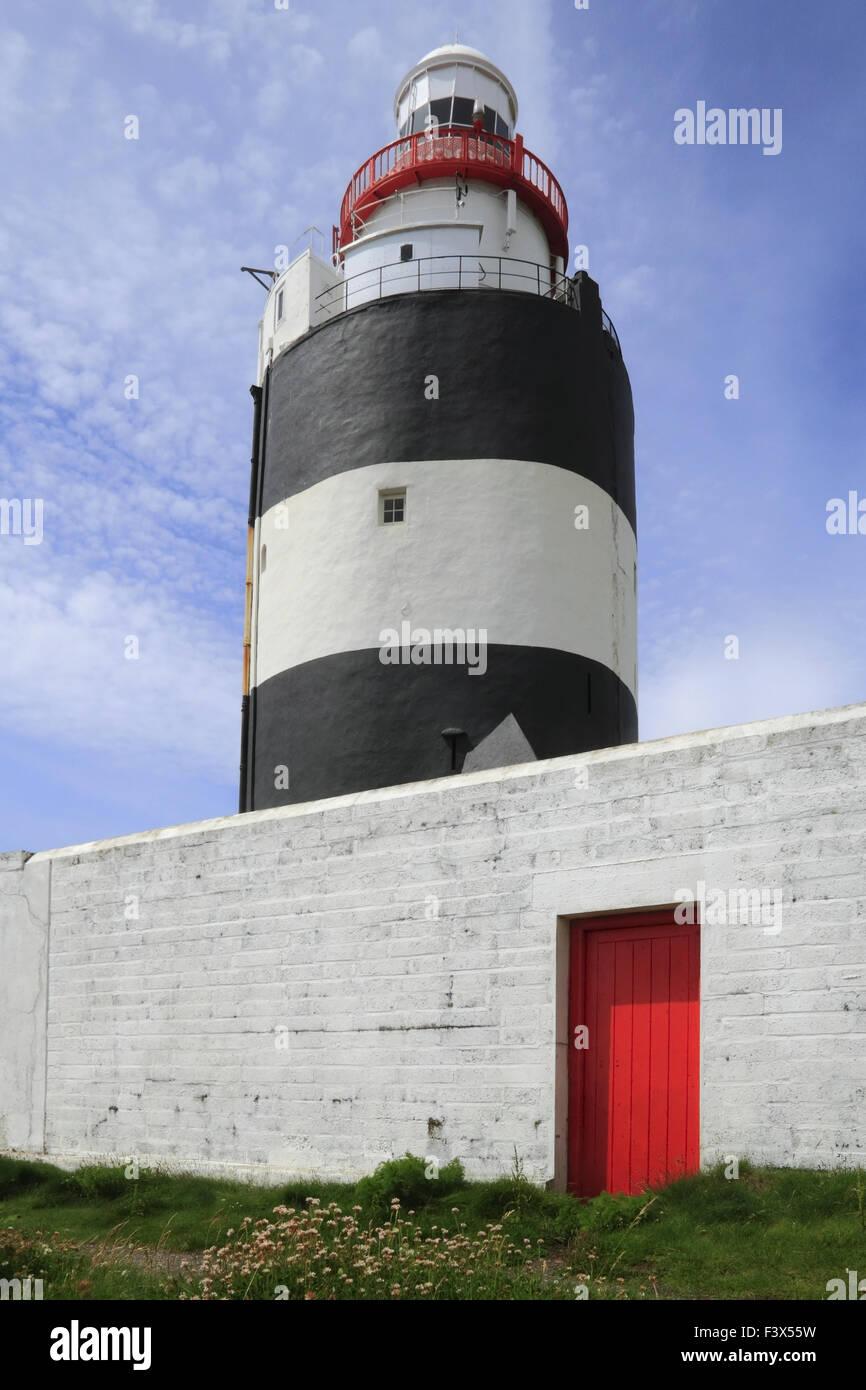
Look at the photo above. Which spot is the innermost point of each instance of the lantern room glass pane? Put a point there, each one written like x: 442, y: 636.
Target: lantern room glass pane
x: 462, y: 111
x: 466, y: 83
x: 441, y: 109
x: 442, y: 83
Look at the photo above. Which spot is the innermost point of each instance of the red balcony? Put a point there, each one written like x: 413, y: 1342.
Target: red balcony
x: 446, y: 154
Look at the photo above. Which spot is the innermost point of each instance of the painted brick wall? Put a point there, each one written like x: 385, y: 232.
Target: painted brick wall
x: 319, y: 987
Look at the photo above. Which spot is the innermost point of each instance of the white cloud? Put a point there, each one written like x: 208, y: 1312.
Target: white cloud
x: 189, y: 179
x: 783, y: 668
x: 15, y: 56
x: 147, y: 19
x: 367, y: 46
x: 634, y: 289
x: 66, y: 672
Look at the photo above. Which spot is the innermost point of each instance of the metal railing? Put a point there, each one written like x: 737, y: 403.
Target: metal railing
x: 608, y: 327
x: 477, y: 272
x: 428, y: 272
x: 434, y: 153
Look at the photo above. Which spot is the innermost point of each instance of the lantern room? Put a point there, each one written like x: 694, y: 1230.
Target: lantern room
x: 456, y: 201
x: 456, y: 86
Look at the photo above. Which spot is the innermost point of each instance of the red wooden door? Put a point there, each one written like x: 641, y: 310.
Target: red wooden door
x: 634, y: 1085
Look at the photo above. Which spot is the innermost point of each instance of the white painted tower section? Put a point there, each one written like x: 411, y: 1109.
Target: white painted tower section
x: 524, y: 575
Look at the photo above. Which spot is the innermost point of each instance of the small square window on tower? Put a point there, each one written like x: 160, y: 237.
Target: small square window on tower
x: 392, y: 506
x: 406, y: 251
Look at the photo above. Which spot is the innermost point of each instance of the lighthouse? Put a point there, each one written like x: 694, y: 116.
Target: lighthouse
x: 442, y: 558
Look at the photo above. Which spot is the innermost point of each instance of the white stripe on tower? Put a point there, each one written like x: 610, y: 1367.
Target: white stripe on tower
x: 487, y: 543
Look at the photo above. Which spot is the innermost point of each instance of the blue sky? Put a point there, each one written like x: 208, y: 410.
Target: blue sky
x: 122, y: 257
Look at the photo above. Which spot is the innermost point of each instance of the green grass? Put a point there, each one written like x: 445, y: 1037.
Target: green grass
x: 179, y: 1211
x: 770, y: 1234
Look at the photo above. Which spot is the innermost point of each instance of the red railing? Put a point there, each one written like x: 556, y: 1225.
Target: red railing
x: 453, y: 151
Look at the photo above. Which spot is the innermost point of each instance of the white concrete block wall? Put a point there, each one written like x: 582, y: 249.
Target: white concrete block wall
x: 408, y: 947
x: 23, y: 987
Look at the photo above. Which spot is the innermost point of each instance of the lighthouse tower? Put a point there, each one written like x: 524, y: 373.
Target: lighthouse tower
x: 442, y: 556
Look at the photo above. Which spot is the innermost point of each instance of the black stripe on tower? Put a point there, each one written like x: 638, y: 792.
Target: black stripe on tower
x: 347, y: 723
x: 520, y: 377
